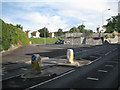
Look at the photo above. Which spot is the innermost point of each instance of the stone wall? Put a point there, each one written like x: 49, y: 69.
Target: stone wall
x: 112, y: 40
x: 119, y: 39
x: 77, y: 41
x: 92, y: 41
x: 74, y: 34
x: 79, y: 38
x: 72, y: 41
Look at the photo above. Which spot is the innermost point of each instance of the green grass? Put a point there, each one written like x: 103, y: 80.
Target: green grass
x: 43, y: 40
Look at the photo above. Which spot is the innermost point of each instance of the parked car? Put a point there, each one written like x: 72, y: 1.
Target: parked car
x: 59, y: 42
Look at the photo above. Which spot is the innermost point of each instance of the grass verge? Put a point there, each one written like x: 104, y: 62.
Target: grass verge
x: 43, y: 40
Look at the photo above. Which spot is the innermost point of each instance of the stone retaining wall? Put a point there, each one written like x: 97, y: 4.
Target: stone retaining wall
x: 79, y: 38
x: 72, y: 41
x: 92, y: 41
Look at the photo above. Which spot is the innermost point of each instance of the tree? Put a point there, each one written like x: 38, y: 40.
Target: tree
x: 19, y: 26
x: 33, y: 33
x: 60, y: 32
x: 74, y: 30
x: 82, y: 28
x: 89, y: 33
x: 113, y: 24
x: 44, y: 32
x: 109, y: 29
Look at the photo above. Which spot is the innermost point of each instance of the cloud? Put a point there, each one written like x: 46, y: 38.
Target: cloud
x: 89, y: 24
x: 63, y: 14
x: 35, y: 21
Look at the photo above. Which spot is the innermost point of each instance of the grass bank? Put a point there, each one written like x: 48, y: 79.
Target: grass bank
x: 11, y: 35
x: 43, y: 40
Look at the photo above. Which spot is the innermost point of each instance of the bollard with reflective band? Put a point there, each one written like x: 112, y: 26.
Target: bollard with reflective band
x: 35, y: 61
x: 38, y: 66
x: 33, y: 66
x: 72, y: 58
x: 30, y: 42
x: 70, y: 55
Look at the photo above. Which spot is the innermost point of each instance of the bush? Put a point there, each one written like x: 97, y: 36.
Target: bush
x: 106, y: 36
x: 112, y: 36
x: 12, y: 35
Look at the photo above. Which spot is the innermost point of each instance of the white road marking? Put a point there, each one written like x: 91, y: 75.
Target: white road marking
x: 102, y: 71
x: 24, y: 69
x: 112, y: 61
x: 94, y: 60
x: 97, y: 59
x: 50, y: 80
x: 108, y: 53
x: 10, y: 77
x: 115, y: 49
x: 109, y: 65
x: 91, y: 78
x: 99, y: 54
x: 94, y: 56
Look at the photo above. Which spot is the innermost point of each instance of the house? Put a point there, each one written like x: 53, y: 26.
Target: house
x: 34, y: 34
x: 52, y: 35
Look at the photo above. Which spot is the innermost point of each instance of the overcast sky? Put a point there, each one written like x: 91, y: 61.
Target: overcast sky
x: 54, y: 14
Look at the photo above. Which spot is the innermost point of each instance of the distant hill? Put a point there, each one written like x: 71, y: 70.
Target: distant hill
x: 11, y: 35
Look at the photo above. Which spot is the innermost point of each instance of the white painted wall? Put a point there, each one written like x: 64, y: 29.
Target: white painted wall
x: 37, y: 34
x: 53, y: 35
x: 29, y: 34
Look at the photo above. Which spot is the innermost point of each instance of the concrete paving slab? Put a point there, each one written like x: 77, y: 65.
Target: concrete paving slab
x: 76, y: 63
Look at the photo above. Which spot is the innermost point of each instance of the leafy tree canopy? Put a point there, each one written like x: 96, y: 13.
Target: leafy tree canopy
x: 113, y: 24
x: 74, y: 30
x: 60, y: 32
x: 44, y: 32
x: 79, y: 29
x: 19, y: 26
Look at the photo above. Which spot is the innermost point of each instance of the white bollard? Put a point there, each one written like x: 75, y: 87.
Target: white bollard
x: 70, y: 56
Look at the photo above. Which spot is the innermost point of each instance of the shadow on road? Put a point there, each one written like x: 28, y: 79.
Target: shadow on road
x: 106, y: 42
x: 50, y: 54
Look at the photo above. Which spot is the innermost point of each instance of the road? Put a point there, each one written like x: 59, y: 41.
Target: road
x: 19, y: 59
x: 102, y: 72
x: 23, y: 54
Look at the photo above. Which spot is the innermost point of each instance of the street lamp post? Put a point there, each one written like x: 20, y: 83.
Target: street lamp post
x: 99, y: 31
x: 103, y: 16
x: 102, y: 21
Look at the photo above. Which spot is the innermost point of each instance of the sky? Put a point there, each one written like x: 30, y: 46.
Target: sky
x: 54, y: 14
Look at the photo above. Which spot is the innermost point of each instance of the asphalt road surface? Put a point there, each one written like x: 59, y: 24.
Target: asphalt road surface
x: 102, y: 72
x: 23, y: 54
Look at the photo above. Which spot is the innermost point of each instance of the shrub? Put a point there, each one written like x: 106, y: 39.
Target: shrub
x: 12, y: 35
x: 112, y: 36
x: 106, y: 36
